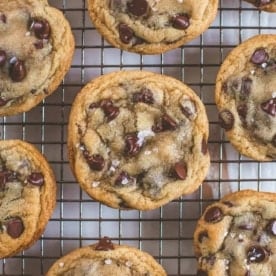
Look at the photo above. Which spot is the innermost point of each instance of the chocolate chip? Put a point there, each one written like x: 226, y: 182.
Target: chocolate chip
x: 124, y: 179
x: 269, y: 107
x: 3, y: 180
x: 226, y: 119
x: 96, y: 162
x: 202, y: 235
x: 260, y: 3
x: 259, y: 56
x: 242, y: 111
x: 41, y: 28
x: 274, y: 141
x: 17, y: 71
x: 3, y: 18
x: 110, y: 111
x: 94, y: 105
x: 104, y: 244
x: 181, y: 21
x: 256, y: 254
x: 38, y: 44
x: 201, y: 273
x: 213, y: 215
x: 145, y: 96
x: 246, y: 87
x: 3, y: 58
x: 137, y: 7
x: 188, y: 108
x: 15, y: 227
x: 204, y: 146
x: 3, y: 102
x: 36, y: 179
x: 246, y: 227
x: 271, y: 227
x: 125, y: 33
x: 180, y: 170
x: 132, y: 146
x: 168, y: 123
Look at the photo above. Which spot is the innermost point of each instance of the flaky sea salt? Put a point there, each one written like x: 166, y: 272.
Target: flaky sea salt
x: 61, y: 264
x: 108, y: 261
x: 95, y: 184
x: 143, y: 134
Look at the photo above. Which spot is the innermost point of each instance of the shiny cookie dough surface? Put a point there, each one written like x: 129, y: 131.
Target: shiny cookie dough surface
x: 27, y: 196
x: 266, y: 5
x: 151, y: 26
x: 138, y: 139
x: 36, y: 49
x: 237, y: 236
x: 246, y: 97
x: 105, y: 259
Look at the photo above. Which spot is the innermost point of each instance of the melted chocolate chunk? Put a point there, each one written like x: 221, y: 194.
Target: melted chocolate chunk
x: 3, y: 102
x: 226, y: 119
x: 110, y: 110
x: 242, y: 111
x: 181, y: 21
x: 201, y: 273
x: 269, y: 107
x: 213, y: 215
x: 41, y: 28
x: 17, y: 71
x: 3, y: 18
x: 180, y: 170
x: 203, y: 235
x: 188, y: 108
x: 132, y: 146
x: 15, y: 227
x: 259, y: 56
x: 138, y: 7
x: 39, y: 44
x: 94, y: 105
x: 95, y: 162
x: 145, y: 96
x: 36, y: 179
x: 3, y: 58
x: 125, y: 33
x: 256, y: 254
x: 246, y: 227
x: 124, y: 179
x: 3, y: 180
x: 271, y: 227
x: 168, y: 123
x: 260, y: 3
x: 104, y: 244
x: 204, y: 146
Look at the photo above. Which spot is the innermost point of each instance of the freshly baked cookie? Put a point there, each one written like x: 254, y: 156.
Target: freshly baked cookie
x: 138, y: 139
x: 151, y: 26
x: 36, y: 49
x: 105, y: 259
x: 237, y: 236
x: 266, y: 5
x: 246, y: 97
x: 27, y: 196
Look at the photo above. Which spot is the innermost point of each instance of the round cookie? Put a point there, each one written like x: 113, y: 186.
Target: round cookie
x: 138, y: 139
x: 246, y: 97
x: 265, y: 5
x: 105, y: 259
x: 27, y: 196
x: 151, y: 26
x: 237, y: 235
x: 36, y: 49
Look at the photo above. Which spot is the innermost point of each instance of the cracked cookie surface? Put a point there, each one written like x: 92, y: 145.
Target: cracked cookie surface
x: 27, y: 196
x: 237, y: 236
x: 105, y: 259
x: 265, y: 5
x: 246, y: 97
x: 36, y: 50
x: 138, y: 139
x: 151, y: 26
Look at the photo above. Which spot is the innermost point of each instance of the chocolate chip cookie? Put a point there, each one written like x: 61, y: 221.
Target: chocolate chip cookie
x: 265, y: 5
x: 138, y: 139
x: 27, y: 196
x: 237, y: 236
x: 246, y: 97
x: 151, y: 26
x: 105, y: 259
x: 36, y: 49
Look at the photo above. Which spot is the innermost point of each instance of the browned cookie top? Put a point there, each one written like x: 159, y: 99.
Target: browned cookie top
x: 27, y: 196
x: 138, y: 139
x: 246, y: 97
x: 237, y: 236
x: 266, y: 5
x: 36, y: 48
x: 151, y: 26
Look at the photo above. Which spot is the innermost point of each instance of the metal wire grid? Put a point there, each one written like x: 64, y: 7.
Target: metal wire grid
x: 166, y: 233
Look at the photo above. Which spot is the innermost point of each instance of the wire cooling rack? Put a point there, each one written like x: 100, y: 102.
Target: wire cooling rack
x: 166, y: 233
